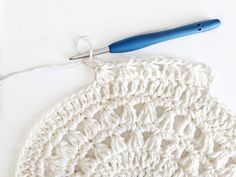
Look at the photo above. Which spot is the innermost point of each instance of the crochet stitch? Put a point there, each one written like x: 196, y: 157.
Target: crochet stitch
x: 138, y: 118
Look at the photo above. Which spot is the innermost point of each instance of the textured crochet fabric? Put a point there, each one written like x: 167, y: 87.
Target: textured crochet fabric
x: 138, y: 118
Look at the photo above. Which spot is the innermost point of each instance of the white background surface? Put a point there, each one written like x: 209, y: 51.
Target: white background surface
x: 43, y: 32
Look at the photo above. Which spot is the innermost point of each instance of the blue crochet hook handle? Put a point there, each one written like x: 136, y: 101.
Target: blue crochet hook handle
x: 144, y: 40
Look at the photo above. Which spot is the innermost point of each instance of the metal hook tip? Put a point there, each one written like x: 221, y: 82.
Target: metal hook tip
x: 87, y: 54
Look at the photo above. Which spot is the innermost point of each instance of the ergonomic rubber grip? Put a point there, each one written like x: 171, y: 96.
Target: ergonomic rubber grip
x: 141, y: 41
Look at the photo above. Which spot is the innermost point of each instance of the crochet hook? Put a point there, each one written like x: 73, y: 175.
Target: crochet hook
x: 144, y: 40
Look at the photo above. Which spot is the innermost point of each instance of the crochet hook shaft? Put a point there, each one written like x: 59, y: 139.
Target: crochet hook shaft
x: 144, y: 40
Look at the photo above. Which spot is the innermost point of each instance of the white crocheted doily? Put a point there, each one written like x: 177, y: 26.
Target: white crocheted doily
x: 138, y: 118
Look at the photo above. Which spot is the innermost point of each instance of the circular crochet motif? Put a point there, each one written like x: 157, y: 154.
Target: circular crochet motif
x: 138, y: 118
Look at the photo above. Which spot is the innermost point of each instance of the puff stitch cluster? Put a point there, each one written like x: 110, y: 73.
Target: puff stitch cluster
x: 138, y: 118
